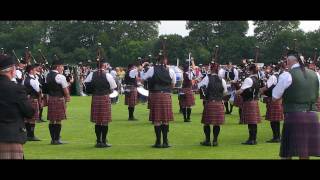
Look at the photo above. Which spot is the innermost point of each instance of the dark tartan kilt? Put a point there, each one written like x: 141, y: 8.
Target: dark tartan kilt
x: 11, y: 151
x: 213, y: 113
x: 131, y: 99
x: 101, y: 109
x: 161, y: 108
x: 188, y: 99
x: 44, y: 100
x: 56, y: 109
x: 149, y: 100
x: 250, y: 112
x: 318, y: 104
x: 300, y: 135
x: 238, y: 101
x: 35, y: 106
x: 274, y: 110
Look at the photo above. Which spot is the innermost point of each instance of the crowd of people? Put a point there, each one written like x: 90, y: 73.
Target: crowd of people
x: 289, y: 88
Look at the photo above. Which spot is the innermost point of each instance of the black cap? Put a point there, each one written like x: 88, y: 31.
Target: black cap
x: 23, y: 61
x: 6, y: 62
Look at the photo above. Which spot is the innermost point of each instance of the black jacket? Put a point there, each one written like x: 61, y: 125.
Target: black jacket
x: 14, y: 107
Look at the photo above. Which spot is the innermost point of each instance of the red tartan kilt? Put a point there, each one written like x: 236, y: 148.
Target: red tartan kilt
x: 161, y: 107
x: 56, y: 109
x: 213, y: 113
x: 35, y: 106
x: 149, y: 100
x: 250, y: 112
x: 101, y: 109
x: 274, y: 110
x: 11, y: 151
x: 238, y: 101
x: 131, y: 99
x: 318, y: 104
x: 188, y: 100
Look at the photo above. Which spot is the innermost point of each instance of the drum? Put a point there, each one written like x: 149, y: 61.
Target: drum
x: 114, y: 97
x: 142, y: 94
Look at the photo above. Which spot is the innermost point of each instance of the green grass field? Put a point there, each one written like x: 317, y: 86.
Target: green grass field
x: 133, y: 139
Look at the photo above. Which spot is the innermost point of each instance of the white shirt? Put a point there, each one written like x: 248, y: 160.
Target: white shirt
x: 113, y: 73
x: 222, y: 74
x: 272, y: 81
x: 34, y: 83
x: 109, y: 77
x: 18, y: 74
x: 150, y: 73
x: 247, y: 83
x: 205, y: 82
x: 285, y: 80
x: 134, y: 73
x: 61, y: 79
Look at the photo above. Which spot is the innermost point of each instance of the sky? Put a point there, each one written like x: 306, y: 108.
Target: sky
x: 179, y: 27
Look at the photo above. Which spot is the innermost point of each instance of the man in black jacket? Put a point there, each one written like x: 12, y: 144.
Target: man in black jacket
x: 14, y: 107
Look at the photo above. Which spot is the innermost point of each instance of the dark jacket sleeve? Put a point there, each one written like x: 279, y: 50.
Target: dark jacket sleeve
x: 24, y: 105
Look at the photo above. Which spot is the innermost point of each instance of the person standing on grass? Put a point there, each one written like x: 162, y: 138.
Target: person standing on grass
x: 102, y: 84
x: 250, y: 106
x: 58, y: 93
x: 161, y: 80
x: 299, y: 90
x: 131, y: 93
x: 274, y: 108
x: 213, y: 112
x: 32, y: 86
x: 14, y: 107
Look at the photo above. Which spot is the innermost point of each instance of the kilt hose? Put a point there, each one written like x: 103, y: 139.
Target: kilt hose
x: 274, y: 110
x: 44, y: 100
x: 188, y: 99
x: 11, y: 151
x: 101, y: 109
x: 161, y: 107
x: 131, y: 99
x: 56, y: 109
x: 250, y: 112
x: 238, y: 101
x: 318, y: 104
x: 35, y: 106
x: 213, y: 113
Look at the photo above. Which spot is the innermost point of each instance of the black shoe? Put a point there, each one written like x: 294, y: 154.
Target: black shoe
x: 214, y: 143
x: 165, y: 145
x: 105, y: 145
x: 132, y: 119
x: 98, y: 145
x: 277, y: 140
x: 157, y: 145
x: 205, y: 143
x: 187, y: 120
x: 52, y: 142
x: 59, y: 142
x: 33, y: 139
x: 250, y: 142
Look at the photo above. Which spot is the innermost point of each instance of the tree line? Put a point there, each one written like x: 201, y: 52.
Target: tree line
x: 123, y: 42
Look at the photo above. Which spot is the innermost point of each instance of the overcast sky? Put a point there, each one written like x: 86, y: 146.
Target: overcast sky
x: 179, y: 27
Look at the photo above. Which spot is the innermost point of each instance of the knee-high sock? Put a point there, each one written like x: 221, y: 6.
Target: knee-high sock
x: 57, y: 131
x: 188, y: 113
x: 97, y: 129
x: 240, y: 113
x: 164, y: 129
x: 275, y: 129
x: 40, y: 113
x: 207, y: 131
x: 104, y: 133
x: 28, y: 128
x: 216, y: 131
x: 231, y: 108
x: 253, y: 128
x: 226, y: 105
x: 32, y: 127
x: 157, y: 130
x: 184, y: 112
x: 131, y: 112
x: 51, y: 129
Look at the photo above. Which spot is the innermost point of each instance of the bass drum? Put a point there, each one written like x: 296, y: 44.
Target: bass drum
x: 114, y: 96
x: 143, y: 94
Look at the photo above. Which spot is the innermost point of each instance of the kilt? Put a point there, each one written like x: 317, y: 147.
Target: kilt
x: 250, y: 112
x: 56, y: 109
x: 161, y: 107
x: 318, y: 104
x: 274, y: 110
x: 149, y: 100
x: 44, y: 100
x: 101, y: 109
x: 213, y: 113
x: 300, y: 135
x: 131, y: 99
x: 35, y: 106
x: 238, y: 101
x: 188, y: 99
x: 11, y: 151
